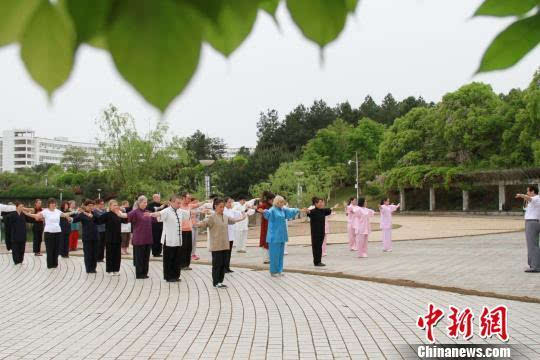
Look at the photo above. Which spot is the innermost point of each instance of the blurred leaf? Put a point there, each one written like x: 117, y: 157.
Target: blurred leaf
x: 505, y: 7
x: 48, y: 45
x: 512, y: 44
x: 156, y: 47
x: 207, y: 8
x: 13, y: 17
x: 320, y: 20
x: 98, y: 41
x: 88, y: 16
x: 351, y: 5
x: 270, y: 6
x: 233, y: 25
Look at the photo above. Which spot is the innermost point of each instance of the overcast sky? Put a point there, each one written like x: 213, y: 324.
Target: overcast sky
x: 406, y: 47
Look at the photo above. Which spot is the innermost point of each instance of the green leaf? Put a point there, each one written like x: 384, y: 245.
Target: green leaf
x: 13, y: 17
x: 320, y: 20
x: 98, y: 41
x: 351, y: 5
x: 156, y: 47
x: 270, y: 6
x: 88, y: 16
x: 208, y: 8
x: 48, y: 45
x: 505, y: 7
x: 233, y: 25
x: 512, y: 44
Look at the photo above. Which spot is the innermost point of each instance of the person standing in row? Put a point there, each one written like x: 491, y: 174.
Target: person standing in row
x: 125, y: 229
x: 89, y: 235
x: 5, y: 212
x: 142, y: 236
x: 267, y: 200
x: 277, y: 217
x: 351, y: 204
x: 99, y: 209
x: 171, y: 238
x: 75, y: 228
x: 65, y: 226
x: 218, y: 225
x: 362, y: 226
x: 241, y: 227
x: 231, y: 214
x: 532, y: 227
x: 52, y: 231
x: 157, y: 227
x: 112, y: 220
x: 386, y: 209
x: 17, y: 222
x: 37, y: 229
x: 317, y: 221
x: 195, y: 232
x: 187, y: 231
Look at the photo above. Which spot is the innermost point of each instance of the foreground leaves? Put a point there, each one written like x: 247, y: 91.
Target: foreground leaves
x: 48, y: 45
x: 512, y: 44
x: 13, y: 17
x: 156, y: 47
x: 505, y: 7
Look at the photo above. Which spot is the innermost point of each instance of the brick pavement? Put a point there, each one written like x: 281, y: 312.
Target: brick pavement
x: 68, y: 314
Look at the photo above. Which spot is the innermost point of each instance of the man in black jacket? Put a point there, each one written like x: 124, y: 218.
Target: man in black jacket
x: 157, y: 227
x: 317, y: 215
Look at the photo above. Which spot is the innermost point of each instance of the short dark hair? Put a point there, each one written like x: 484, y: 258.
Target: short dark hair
x: 533, y: 188
x: 267, y: 196
x: 361, y: 201
x: 218, y: 201
x: 51, y: 201
x: 64, y: 204
x: 89, y: 202
x: 315, y: 200
x: 99, y: 201
x: 183, y: 194
x: 242, y: 197
x: 383, y: 200
x: 351, y: 199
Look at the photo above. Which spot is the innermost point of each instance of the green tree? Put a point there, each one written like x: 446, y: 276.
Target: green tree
x: 205, y: 147
x: 75, y: 159
x: 389, y: 110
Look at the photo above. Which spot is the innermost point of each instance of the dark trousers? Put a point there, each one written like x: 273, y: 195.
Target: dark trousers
x: 52, y: 241
x: 89, y: 250
x: 7, y: 234
x: 171, y: 262
x: 228, y: 258
x: 156, y: 238
x: 113, y: 256
x: 142, y: 260
x: 100, y: 248
x: 37, y: 231
x: 63, y: 246
x: 316, y: 247
x: 218, y: 266
x: 185, y: 249
x: 17, y: 251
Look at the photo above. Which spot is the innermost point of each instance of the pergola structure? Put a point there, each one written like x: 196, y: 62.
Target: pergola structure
x: 500, y: 178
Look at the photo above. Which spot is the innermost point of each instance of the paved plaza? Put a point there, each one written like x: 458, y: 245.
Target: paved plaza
x: 67, y: 314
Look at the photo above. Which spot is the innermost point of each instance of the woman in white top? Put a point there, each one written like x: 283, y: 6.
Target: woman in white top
x: 52, y: 231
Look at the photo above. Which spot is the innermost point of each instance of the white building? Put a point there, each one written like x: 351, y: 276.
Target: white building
x: 231, y: 152
x: 20, y: 148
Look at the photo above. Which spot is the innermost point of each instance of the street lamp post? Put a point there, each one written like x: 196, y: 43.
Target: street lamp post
x: 99, y: 193
x: 61, y: 190
x: 356, y: 161
x: 298, y: 174
x: 206, y: 164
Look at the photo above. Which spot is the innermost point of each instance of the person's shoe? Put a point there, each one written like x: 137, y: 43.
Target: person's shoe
x: 99, y: 261
x: 274, y: 274
x: 221, y: 286
x: 320, y: 264
x: 228, y: 271
x: 324, y: 254
x: 142, y: 277
x: 195, y: 257
x: 362, y: 256
x: 532, y: 271
x: 241, y: 251
x: 187, y: 268
x: 281, y: 274
x: 389, y: 250
x: 38, y: 254
x: 173, y: 280
x: 266, y: 262
x: 158, y: 255
x: 91, y: 272
x: 117, y: 274
x: 65, y: 256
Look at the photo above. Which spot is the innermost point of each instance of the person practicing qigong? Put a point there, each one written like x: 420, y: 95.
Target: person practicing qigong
x: 317, y: 221
x: 386, y: 209
x: 532, y: 227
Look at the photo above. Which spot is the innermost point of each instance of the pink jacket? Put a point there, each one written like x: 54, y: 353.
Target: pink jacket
x: 386, y: 216
x: 361, y: 220
x: 349, y: 212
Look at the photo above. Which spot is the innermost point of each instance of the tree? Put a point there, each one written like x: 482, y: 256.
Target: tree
x: 75, y: 159
x: 138, y: 34
x: 205, y: 147
x: 370, y: 109
x: 389, y: 110
x: 269, y: 129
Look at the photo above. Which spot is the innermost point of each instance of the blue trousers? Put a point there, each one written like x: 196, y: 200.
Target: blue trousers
x: 276, y: 252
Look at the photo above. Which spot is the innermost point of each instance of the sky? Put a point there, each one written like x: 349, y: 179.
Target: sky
x: 407, y: 47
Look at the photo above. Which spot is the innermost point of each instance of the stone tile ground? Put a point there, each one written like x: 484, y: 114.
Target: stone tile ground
x: 67, y: 314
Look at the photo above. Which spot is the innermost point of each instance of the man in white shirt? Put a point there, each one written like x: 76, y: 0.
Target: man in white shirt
x: 532, y: 227
x: 241, y: 227
x: 171, y: 237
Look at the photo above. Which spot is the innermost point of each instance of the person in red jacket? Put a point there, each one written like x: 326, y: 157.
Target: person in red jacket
x: 266, y: 203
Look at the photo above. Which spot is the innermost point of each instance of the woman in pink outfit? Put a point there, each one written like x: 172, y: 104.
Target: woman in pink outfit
x: 362, y: 226
x: 350, y: 223
x: 386, y: 210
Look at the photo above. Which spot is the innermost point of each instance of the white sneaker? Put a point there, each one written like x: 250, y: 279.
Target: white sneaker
x: 274, y: 274
x: 115, y: 274
x: 281, y: 274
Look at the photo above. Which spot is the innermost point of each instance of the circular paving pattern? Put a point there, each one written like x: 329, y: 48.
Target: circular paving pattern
x: 68, y: 314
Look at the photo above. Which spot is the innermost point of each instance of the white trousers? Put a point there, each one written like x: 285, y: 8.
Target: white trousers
x: 240, y: 238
